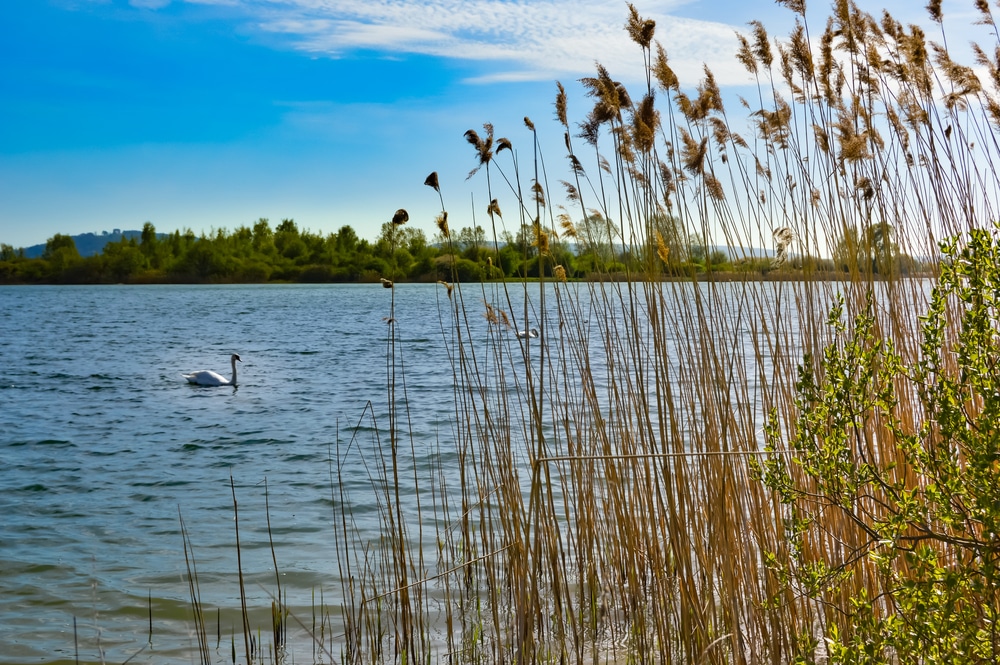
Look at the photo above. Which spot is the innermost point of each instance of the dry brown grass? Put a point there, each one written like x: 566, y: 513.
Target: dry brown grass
x: 598, y: 505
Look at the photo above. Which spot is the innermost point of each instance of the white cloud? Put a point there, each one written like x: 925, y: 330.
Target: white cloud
x: 525, y: 40
x: 522, y: 39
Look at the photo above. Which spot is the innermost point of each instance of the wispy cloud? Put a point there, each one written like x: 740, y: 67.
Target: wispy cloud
x: 149, y: 4
x: 521, y: 40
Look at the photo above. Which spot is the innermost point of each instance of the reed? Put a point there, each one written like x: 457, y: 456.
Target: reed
x: 685, y: 465
x: 612, y: 499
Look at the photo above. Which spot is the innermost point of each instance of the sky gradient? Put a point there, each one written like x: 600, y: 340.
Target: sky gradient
x: 210, y: 114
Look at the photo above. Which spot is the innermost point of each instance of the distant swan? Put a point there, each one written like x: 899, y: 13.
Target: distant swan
x: 207, y: 377
x: 527, y: 334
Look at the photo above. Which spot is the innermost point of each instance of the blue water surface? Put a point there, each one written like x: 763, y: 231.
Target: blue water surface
x: 107, y: 453
x: 105, y: 449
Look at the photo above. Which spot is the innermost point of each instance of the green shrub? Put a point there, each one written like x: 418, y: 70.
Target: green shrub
x: 898, y: 460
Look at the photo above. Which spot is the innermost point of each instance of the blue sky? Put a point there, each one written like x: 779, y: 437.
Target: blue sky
x: 208, y: 114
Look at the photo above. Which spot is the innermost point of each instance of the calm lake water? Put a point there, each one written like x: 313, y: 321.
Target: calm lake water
x: 104, y: 449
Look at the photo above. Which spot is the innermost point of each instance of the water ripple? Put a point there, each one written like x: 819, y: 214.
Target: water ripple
x: 105, y: 448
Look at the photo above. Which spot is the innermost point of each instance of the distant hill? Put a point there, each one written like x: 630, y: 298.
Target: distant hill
x: 91, y: 244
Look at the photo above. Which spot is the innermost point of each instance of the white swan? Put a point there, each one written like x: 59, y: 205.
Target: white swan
x: 527, y: 334
x: 207, y: 377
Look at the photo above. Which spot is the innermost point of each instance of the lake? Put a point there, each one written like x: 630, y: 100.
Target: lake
x: 105, y: 450
x: 104, y: 447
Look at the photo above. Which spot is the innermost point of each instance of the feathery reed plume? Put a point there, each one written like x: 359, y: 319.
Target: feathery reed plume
x: 783, y: 238
x: 645, y: 120
x: 589, y: 132
x: 801, y: 53
x: 491, y: 314
x: 624, y: 100
x: 854, y: 147
x: 538, y: 193
x: 386, y: 283
x: 720, y: 132
x: 761, y: 44
x: 709, y: 95
x: 986, y: 16
x: 432, y: 181
x: 639, y: 30
x: 986, y: 63
x: 610, y: 96
x: 527, y: 123
x: 448, y: 287
x: 504, y: 144
x: 560, y: 273
x: 401, y: 217
x: 864, y: 185
x: 776, y: 125
x: 661, y: 248
x: 664, y: 74
x: 483, y: 146
x: 442, y: 224
x: 827, y: 65
x: 744, y: 54
x: 693, y: 152
x: 714, y: 187
x: 797, y: 6
x: 566, y: 223
x: 684, y: 105
x: 571, y: 192
x: 494, y: 209
x: 892, y: 28
x: 822, y: 138
x: 934, y: 11
x: 541, y: 239
x: 962, y: 77
x: 561, y: 104
x: 669, y: 183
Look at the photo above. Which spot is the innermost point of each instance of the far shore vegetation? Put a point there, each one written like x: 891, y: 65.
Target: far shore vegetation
x: 286, y: 253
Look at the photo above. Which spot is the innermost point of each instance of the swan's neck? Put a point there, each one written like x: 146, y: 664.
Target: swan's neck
x: 234, y: 372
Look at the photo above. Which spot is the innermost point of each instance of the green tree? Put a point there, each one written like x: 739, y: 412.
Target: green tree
x: 60, y: 253
x: 149, y: 245
x: 880, y: 248
x: 872, y: 251
x: 346, y: 241
x: 469, y: 237
x: 509, y: 259
x: 204, y: 262
x: 289, y: 242
x: 847, y: 250
x: 8, y: 253
x: 263, y: 237
x: 597, y: 237
x: 123, y: 260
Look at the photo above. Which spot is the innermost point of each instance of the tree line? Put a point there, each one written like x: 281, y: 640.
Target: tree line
x: 286, y: 253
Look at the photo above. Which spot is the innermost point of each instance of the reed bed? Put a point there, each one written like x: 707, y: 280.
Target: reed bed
x: 635, y: 484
